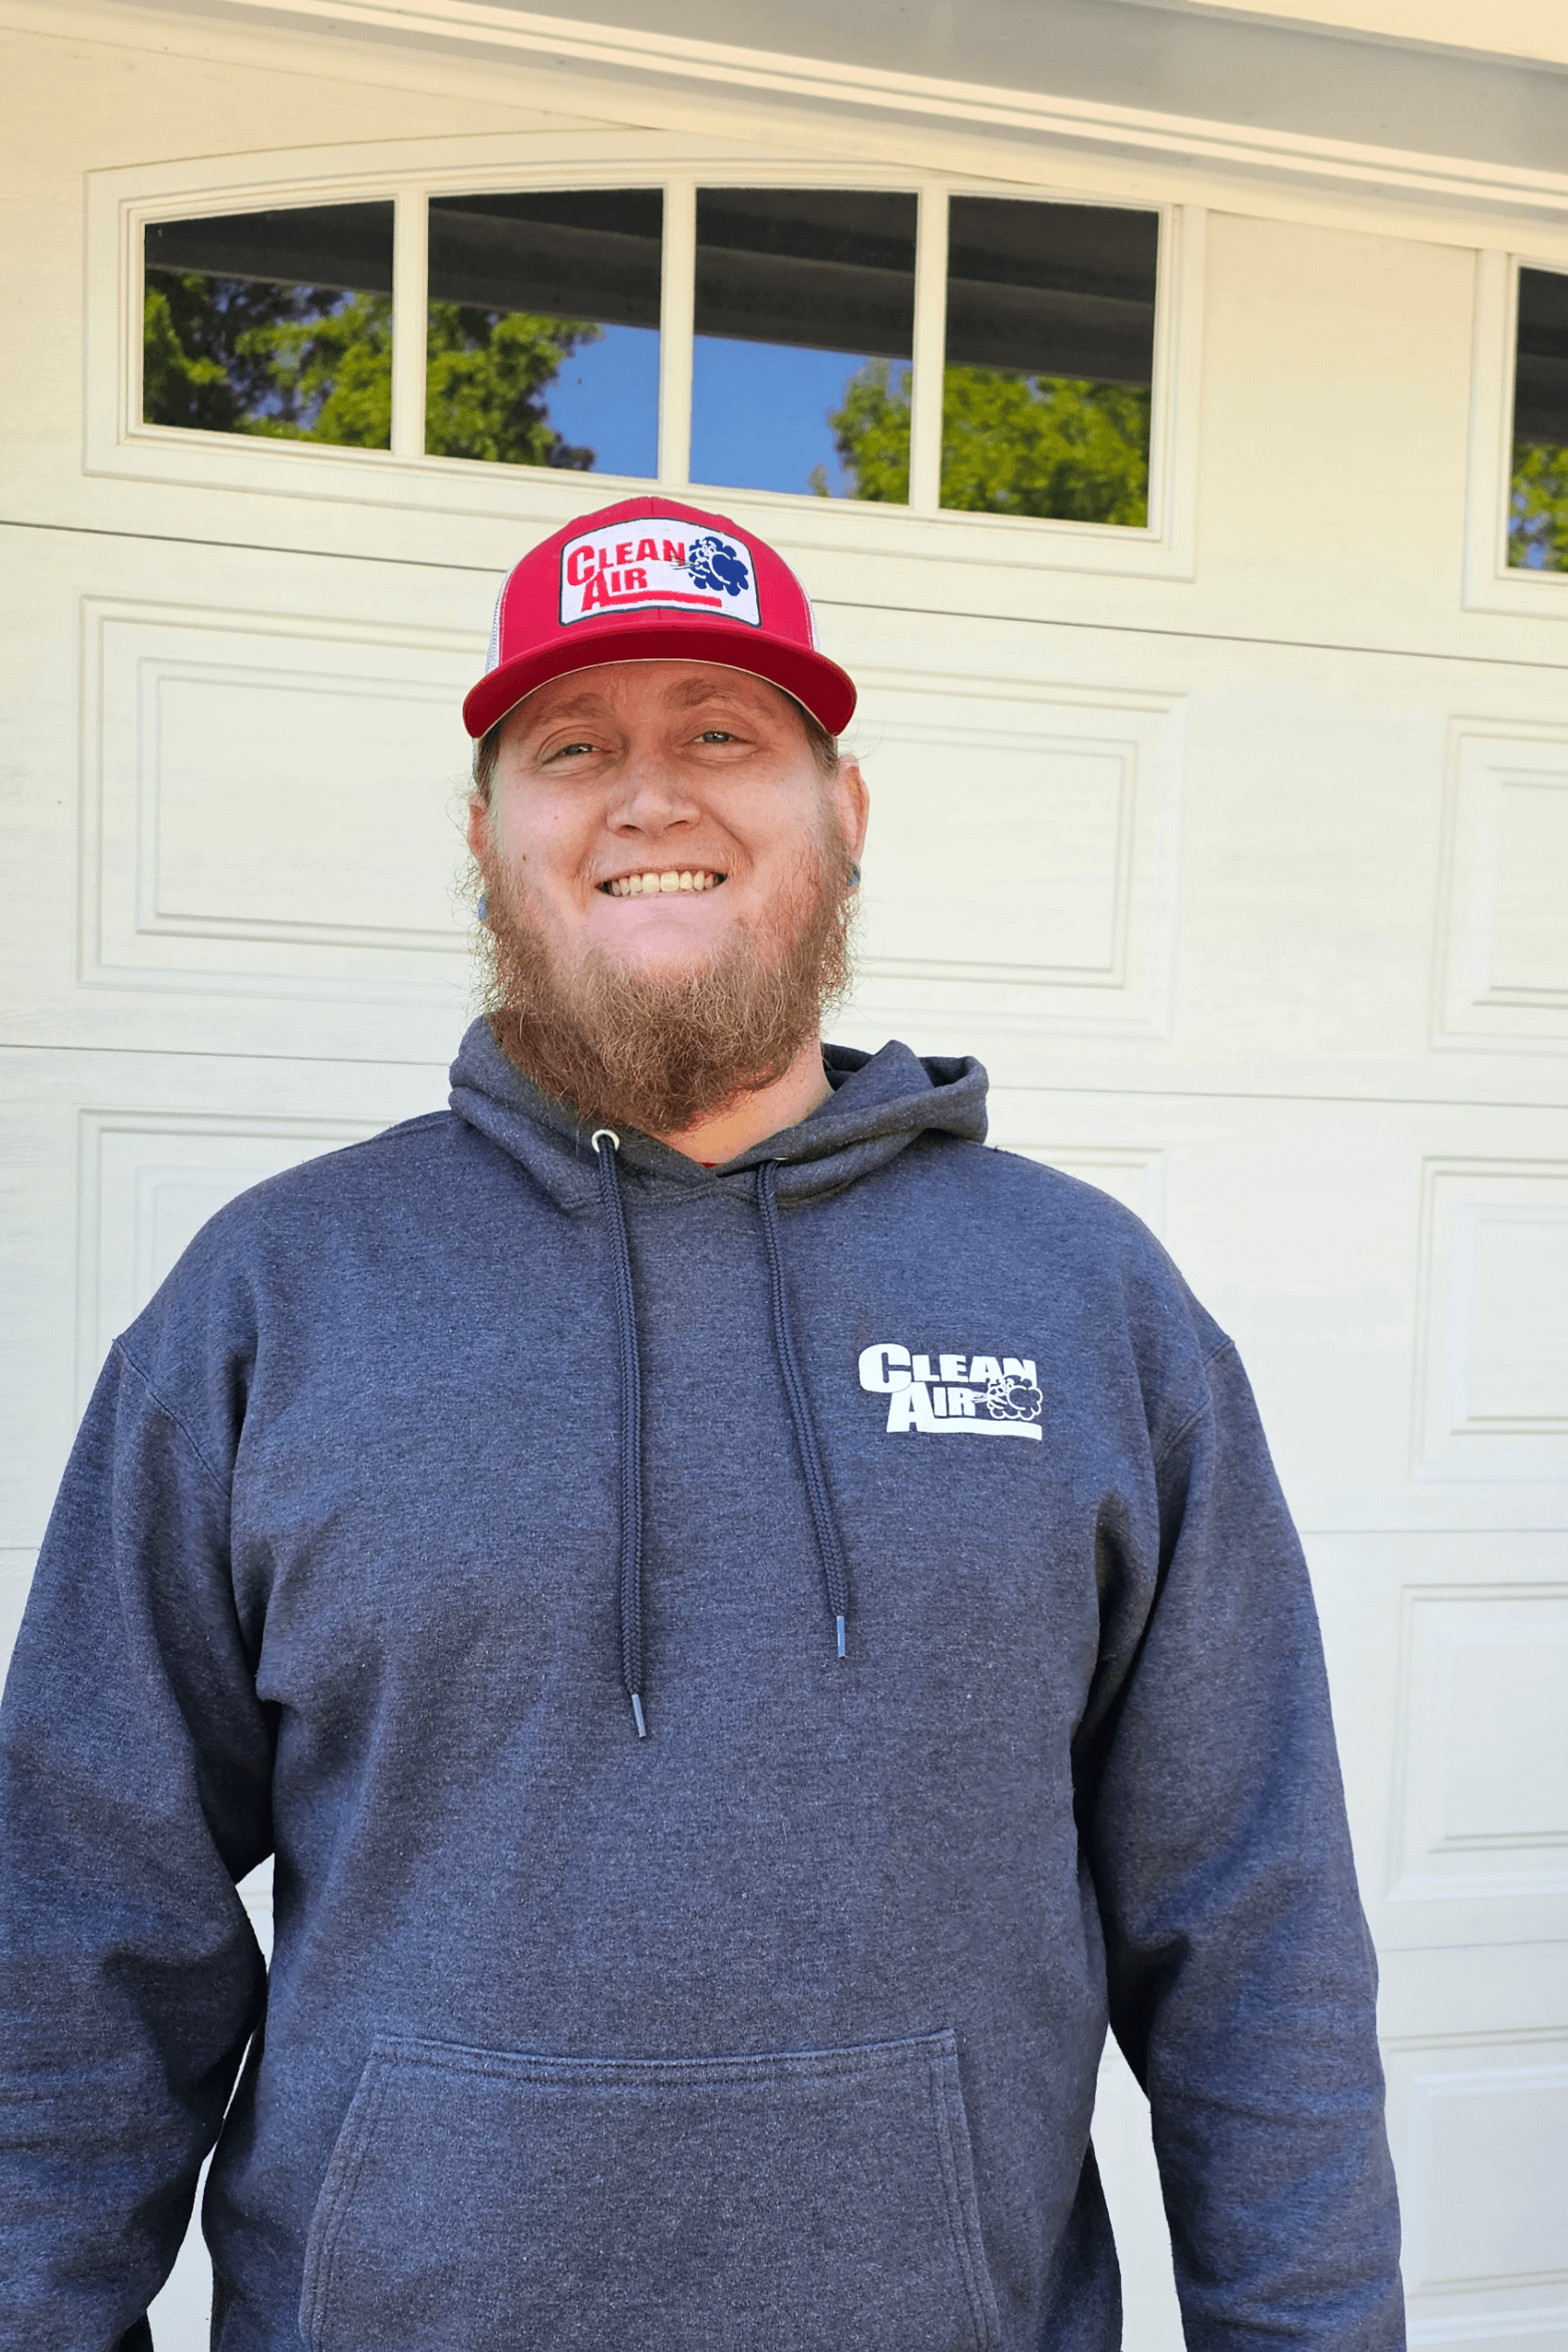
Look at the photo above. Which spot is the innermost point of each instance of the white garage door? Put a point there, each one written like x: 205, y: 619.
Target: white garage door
x: 1203, y: 816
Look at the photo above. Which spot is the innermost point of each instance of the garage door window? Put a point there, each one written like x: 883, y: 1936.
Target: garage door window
x: 1048, y: 359
x: 276, y: 324
x: 543, y: 336
x: 1538, y: 501
x: 804, y: 320
x: 980, y: 355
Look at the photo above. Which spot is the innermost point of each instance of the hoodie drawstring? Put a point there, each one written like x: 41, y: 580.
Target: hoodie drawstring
x: 830, y: 1550
x: 632, y: 1428
x: 830, y: 1547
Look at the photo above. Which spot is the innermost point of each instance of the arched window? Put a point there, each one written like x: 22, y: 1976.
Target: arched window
x: 817, y: 336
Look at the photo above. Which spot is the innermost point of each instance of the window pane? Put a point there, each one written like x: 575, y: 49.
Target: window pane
x: 275, y: 323
x: 1049, y: 360
x: 805, y: 324
x: 544, y: 330
x: 1538, y: 508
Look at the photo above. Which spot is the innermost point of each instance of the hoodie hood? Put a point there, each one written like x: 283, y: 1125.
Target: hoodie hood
x: 879, y: 1105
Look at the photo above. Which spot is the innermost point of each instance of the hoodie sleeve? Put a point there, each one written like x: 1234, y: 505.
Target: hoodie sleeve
x: 134, y: 1769
x: 1241, y: 1972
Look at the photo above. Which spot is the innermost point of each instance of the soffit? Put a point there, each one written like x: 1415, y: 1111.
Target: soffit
x: 1214, y: 64
x: 1486, y: 28
x: 1148, y: 77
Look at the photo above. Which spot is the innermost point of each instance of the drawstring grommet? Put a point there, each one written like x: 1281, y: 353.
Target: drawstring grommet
x: 614, y: 1138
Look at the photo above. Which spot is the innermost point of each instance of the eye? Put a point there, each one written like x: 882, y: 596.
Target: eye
x: 570, y: 751
x: 717, y: 735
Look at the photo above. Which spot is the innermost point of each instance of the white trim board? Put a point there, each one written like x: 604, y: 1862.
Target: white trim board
x: 479, y: 29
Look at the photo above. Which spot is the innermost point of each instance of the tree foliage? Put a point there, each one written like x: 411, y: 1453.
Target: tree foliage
x: 309, y: 363
x: 290, y: 362
x: 872, y: 435
x: 488, y: 373
x: 1538, y: 508
x: 1011, y: 444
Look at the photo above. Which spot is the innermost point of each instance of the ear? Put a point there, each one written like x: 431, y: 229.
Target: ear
x: 853, y: 801
x: 482, y: 835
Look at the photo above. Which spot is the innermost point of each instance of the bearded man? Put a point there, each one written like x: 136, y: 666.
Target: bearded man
x: 714, y: 1818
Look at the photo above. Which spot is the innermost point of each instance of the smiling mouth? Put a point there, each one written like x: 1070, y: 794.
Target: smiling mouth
x: 663, y: 883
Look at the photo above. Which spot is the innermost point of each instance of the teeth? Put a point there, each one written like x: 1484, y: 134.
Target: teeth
x: 672, y: 878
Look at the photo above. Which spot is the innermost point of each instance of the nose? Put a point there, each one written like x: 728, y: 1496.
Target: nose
x: 650, y: 796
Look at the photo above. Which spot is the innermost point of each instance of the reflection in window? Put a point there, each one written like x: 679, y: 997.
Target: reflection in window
x: 1050, y: 359
x: 1538, y: 501
x: 544, y: 330
x: 804, y: 327
x: 277, y: 324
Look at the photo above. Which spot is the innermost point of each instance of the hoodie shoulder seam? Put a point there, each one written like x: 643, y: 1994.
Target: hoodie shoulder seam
x: 1199, y: 1412
x: 168, y: 1412
x: 399, y: 1128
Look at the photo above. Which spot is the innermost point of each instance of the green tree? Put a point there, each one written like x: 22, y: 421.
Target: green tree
x: 312, y: 363
x: 192, y: 371
x: 329, y: 377
x: 487, y: 374
x: 1011, y: 444
x: 872, y: 435
x: 1538, y: 508
x: 231, y: 355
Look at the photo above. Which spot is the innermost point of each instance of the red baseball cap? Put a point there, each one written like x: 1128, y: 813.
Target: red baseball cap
x: 648, y: 581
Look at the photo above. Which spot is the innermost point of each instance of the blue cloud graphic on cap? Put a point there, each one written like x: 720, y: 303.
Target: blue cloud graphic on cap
x: 712, y: 564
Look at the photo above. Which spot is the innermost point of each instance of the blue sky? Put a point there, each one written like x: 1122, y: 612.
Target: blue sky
x: 759, y: 411
x: 759, y: 414
x: 607, y: 398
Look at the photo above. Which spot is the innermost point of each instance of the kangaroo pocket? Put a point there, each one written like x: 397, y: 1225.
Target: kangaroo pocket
x: 813, y: 2202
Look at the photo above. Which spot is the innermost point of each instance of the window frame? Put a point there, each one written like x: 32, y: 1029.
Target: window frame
x: 1492, y: 584
x: 120, y: 204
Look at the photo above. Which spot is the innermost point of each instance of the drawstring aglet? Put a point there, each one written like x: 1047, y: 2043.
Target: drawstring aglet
x: 637, y: 1716
x: 840, y: 1624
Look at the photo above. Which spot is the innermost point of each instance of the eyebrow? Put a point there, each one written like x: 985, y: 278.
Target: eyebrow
x: 702, y: 689
x: 580, y: 707
x: 687, y: 697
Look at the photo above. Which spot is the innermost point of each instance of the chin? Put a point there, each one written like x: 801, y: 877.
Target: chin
x: 670, y: 942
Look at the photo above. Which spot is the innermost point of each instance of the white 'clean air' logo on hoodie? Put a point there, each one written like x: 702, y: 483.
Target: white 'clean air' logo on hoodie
x: 978, y: 1396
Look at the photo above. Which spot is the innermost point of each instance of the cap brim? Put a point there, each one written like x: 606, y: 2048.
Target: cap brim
x: 809, y: 677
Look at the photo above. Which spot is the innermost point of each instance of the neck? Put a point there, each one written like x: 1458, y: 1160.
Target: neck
x: 758, y: 1116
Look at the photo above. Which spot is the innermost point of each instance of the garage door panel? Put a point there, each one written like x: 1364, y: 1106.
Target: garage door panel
x: 1446, y: 1657
x: 248, y: 840
x: 112, y: 1162
x: 1502, y: 950
x: 1480, y: 2129
x: 1300, y: 1225
x: 263, y: 802
x: 1316, y: 857
x: 1492, y: 1397
x: 1053, y: 897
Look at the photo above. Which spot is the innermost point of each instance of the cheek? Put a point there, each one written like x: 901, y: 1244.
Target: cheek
x: 530, y: 830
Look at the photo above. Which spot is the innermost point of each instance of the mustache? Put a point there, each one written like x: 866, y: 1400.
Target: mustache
x: 661, y: 1051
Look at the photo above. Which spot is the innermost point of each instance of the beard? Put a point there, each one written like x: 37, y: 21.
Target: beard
x: 661, y: 1051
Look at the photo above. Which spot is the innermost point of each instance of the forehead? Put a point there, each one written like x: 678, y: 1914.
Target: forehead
x: 632, y: 689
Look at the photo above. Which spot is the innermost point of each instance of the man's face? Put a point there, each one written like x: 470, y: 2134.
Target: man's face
x: 613, y: 780
x: 666, y: 867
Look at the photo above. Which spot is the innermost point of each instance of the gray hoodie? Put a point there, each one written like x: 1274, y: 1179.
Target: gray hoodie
x: 714, y: 1816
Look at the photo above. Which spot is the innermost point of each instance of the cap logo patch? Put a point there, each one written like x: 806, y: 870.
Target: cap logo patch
x: 650, y: 561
